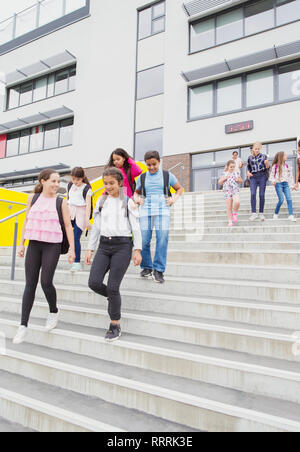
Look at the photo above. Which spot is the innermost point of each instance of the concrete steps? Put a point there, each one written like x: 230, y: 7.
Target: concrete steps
x: 214, y: 349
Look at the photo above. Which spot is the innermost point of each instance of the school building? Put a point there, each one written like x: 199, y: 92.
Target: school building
x: 194, y: 80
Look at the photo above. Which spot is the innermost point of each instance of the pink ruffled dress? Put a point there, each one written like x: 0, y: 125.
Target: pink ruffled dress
x: 43, y: 223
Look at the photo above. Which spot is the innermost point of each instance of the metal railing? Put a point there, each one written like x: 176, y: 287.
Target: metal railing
x: 37, y: 15
x: 182, y: 168
x: 10, y: 217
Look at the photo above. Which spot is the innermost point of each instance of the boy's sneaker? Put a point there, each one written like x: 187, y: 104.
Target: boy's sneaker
x: 253, y: 217
x: 230, y: 224
x: 114, y: 333
x: 158, y: 277
x: 261, y: 217
x: 275, y: 217
x: 292, y: 218
x: 76, y: 267
x: 234, y: 217
x: 146, y: 273
x: 20, y: 336
x: 52, y: 322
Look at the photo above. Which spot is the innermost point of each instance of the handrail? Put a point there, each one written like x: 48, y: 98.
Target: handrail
x: 13, y: 202
x: 15, y: 215
x: 178, y: 164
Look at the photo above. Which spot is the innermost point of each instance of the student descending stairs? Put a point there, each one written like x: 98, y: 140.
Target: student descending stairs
x: 213, y: 349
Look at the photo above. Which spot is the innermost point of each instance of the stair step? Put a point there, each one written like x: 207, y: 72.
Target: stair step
x: 206, y: 406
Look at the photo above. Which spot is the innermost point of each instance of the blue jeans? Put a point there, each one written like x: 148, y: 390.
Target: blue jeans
x: 258, y: 180
x: 283, y: 189
x: 77, y: 237
x: 161, y: 223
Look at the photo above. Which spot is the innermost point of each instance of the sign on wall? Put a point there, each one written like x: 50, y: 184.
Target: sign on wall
x: 239, y: 127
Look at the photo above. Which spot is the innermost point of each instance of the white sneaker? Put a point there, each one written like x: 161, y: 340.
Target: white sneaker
x: 20, y: 336
x: 275, y: 217
x: 292, y: 218
x: 261, y: 217
x: 76, y: 267
x: 253, y: 217
x: 52, y: 322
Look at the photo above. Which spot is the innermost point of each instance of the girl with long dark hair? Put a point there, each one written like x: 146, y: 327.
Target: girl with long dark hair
x: 121, y: 159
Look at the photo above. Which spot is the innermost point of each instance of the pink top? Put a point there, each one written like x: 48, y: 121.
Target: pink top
x: 135, y: 172
x: 43, y: 223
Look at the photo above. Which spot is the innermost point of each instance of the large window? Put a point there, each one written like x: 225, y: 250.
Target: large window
x: 41, y: 88
x: 152, y: 20
x: 39, y: 138
x: 252, y: 17
x: 150, y: 82
x: 150, y: 140
x: 269, y: 86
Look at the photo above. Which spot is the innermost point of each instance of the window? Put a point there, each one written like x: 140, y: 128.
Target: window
x: 202, y: 35
x: 260, y: 88
x: 13, y: 97
x: 205, y: 159
x: 273, y: 85
x: 201, y: 101
x: 254, y: 17
x: 289, y: 81
x: 150, y: 82
x: 229, y: 95
x: 152, y: 20
x: 61, y: 82
x: 40, y: 89
x: 259, y: 16
x: 37, y: 139
x: 230, y: 26
x: 56, y: 83
x: 26, y: 21
x: 73, y: 5
x: 12, y: 146
x: 287, y: 11
x: 151, y: 140
x: 66, y: 132
x: 26, y: 94
x: 51, y: 135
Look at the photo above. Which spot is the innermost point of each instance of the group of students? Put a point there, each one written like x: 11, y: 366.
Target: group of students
x: 123, y: 222
x: 259, y: 172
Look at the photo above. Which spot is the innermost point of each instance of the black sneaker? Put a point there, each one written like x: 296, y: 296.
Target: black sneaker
x: 146, y: 273
x: 113, y: 334
x: 158, y: 277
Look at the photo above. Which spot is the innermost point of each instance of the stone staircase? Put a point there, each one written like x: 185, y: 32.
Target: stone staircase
x: 211, y: 350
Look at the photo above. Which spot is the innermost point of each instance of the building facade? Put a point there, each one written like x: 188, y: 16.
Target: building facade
x: 194, y: 80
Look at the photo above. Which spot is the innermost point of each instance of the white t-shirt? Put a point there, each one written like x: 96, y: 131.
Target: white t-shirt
x: 76, y: 196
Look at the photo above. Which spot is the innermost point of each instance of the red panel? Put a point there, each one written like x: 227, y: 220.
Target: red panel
x: 2, y: 145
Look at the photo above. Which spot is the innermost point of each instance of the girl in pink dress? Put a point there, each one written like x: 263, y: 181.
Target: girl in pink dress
x: 130, y: 170
x: 43, y: 229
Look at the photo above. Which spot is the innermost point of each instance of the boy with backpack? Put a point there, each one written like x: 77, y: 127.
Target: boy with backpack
x: 154, y: 196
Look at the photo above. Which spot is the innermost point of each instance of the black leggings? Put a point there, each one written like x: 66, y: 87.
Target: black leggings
x: 114, y: 256
x: 45, y: 256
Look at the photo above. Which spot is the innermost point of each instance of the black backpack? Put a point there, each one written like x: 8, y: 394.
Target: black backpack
x: 65, y: 243
x: 84, y: 194
x: 167, y: 191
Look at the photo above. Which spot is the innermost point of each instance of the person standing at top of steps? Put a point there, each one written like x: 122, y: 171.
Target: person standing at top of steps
x: 282, y: 179
x: 238, y: 162
x: 154, y: 196
x: 116, y: 221
x: 80, y: 204
x: 47, y: 217
x: 258, y: 167
x: 298, y: 168
x: 230, y: 181
x: 130, y: 170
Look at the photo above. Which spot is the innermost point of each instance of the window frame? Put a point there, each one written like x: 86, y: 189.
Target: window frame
x: 153, y: 19
x: 220, y: 13
x: 60, y: 121
x: 33, y: 81
x: 243, y: 75
x: 145, y: 70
